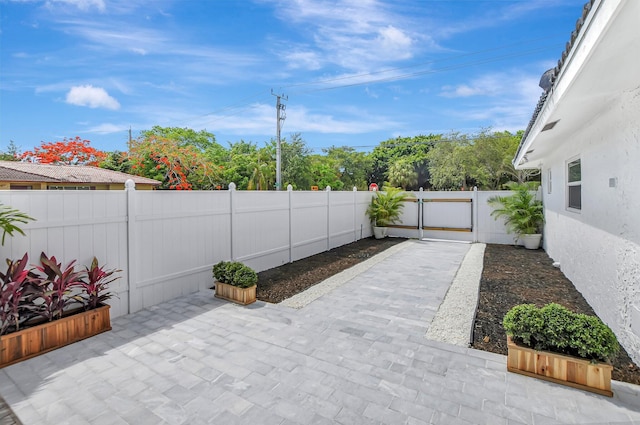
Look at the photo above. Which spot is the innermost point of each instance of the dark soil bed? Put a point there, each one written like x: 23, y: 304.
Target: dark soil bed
x: 280, y: 283
x: 512, y: 275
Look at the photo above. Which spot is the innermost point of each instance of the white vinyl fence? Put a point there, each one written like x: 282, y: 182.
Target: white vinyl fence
x: 461, y: 216
x: 166, y: 242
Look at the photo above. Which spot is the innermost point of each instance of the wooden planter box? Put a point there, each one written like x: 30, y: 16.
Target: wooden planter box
x: 232, y: 293
x: 559, y: 368
x: 35, y: 340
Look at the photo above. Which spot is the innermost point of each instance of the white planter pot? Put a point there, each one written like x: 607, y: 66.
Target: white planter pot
x: 531, y: 241
x: 379, y: 232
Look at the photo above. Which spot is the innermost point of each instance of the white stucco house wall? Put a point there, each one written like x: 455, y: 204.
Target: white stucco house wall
x: 585, y: 138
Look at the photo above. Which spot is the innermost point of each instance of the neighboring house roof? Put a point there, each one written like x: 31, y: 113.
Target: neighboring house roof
x: 597, y: 65
x: 31, y: 172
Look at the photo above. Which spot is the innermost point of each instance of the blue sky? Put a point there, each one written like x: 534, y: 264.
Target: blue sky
x: 356, y: 72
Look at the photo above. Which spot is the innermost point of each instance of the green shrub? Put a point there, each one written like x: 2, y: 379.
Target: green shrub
x: 524, y: 324
x: 555, y: 328
x: 235, y: 273
x: 593, y: 339
x: 219, y: 271
x: 245, y: 277
x: 558, y: 327
x: 230, y: 271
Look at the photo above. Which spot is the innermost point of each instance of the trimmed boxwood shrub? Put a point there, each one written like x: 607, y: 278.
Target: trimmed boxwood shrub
x: 235, y: 273
x: 245, y: 277
x: 219, y: 271
x: 555, y: 328
x: 230, y: 272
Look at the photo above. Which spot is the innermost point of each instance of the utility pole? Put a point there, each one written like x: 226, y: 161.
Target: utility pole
x: 280, y: 117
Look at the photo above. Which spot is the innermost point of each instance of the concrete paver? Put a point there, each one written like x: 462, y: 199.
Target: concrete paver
x: 357, y: 355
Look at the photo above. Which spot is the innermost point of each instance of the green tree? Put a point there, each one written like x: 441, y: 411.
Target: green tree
x: 352, y: 167
x: 451, y: 164
x: 202, y: 140
x: 493, y: 153
x: 296, y: 170
x: 239, y: 164
x: 414, y: 150
x: 11, y: 153
x: 402, y: 173
x: 117, y: 161
x: 324, y: 172
x: 262, y: 171
x: 176, y: 163
x: 483, y: 160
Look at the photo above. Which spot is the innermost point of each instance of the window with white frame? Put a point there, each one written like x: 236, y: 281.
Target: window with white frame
x: 574, y: 185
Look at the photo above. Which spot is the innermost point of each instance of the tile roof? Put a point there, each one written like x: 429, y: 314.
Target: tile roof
x: 548, y: 79
x: 50, y: 173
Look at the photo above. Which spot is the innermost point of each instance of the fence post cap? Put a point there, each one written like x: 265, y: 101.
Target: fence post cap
x: 355, y: 189
x: 289, y: 188
x: 232, y: 186
x: 328, y: 189
x: 129, y: 185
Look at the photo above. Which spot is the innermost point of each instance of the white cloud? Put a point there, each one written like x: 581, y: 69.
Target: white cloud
x: 304, y: 59
x: 492, y: 85
x: 508, y: 99
x: 108, y: 128
x: 93, y: 97
x: 259, y: 119
x: 83, y: 5
x: 356, y: 35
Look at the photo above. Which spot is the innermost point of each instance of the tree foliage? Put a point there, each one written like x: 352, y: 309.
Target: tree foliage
x: 351, y: 167
x: 185, y: 159
x: 11, y: 153
x: 483, y: 160
x: 117, y: 161
x: 410, y: 150
x: 178, y: 165
x: 296, y: 164
x: 74, y: 151
x: 202, y: 140
x: 402, y: 173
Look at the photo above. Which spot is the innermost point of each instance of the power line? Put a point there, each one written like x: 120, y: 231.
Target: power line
x: 361, y: 75
x: 241, y: 105
x: 430, y: 71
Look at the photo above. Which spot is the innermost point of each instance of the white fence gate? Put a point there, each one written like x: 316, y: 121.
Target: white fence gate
x: 461, y: 216
x: 166, y: 242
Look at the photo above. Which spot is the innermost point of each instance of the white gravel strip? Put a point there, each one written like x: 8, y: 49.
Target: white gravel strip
x: 329, y: 284
x: 454, y: 319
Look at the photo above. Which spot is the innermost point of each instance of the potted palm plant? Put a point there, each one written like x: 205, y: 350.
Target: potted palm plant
x: 385, y: 209
x: 523, y: 214
x: 558, y: 345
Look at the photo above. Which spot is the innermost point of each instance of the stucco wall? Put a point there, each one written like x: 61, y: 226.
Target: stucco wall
x: 599, y: 247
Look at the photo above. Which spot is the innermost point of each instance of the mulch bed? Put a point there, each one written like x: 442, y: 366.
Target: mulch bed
x: 513, y: 275
x: 280, y: 283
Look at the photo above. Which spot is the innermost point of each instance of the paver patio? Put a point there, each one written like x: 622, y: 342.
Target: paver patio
x: 357, y: 355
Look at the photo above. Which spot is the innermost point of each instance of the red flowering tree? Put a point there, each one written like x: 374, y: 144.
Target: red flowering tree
x: 176, y: 165
x: 68, y: 152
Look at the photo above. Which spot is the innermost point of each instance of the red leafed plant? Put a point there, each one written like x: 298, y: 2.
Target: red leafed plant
x: 74, y: 151
x: 48, y: 290
x: 95, y: 288
x: 55, y: 289
x: 15, y: 287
